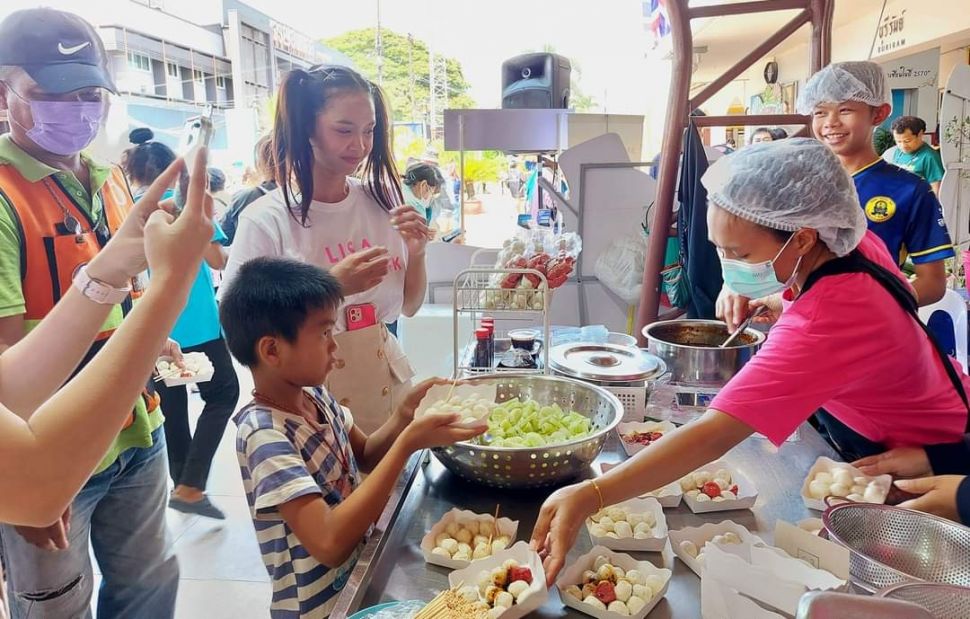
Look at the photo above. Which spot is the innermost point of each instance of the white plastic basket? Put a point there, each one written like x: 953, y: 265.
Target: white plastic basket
x: 633, y: 399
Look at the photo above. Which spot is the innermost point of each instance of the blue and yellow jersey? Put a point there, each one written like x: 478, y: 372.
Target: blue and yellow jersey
x: 902, y: 210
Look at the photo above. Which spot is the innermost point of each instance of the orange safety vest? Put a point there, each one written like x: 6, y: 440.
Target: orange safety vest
x: 52, y: 248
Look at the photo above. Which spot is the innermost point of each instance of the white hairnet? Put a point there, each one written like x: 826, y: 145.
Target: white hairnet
x: 789, y: 185
x: 844, y: 81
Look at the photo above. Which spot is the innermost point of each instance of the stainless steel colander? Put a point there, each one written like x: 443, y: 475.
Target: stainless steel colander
x: 892, y: 546
x: 943, y: 601
x: 532, y: 467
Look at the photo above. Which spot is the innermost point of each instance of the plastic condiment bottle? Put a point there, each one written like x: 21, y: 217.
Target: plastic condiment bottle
x: 481, y: 360
x: 489, y: 323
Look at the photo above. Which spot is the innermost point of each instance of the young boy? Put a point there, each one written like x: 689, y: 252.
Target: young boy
x: 847, y: 101
x: 913, y: 154
x: 299, y: 452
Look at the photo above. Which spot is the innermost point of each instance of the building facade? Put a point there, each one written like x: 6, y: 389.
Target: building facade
x: 173, y: 59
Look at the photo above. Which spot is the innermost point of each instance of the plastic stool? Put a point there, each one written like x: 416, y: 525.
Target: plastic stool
x: 947, y: 319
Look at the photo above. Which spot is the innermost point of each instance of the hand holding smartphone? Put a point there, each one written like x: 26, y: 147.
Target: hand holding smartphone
x: 196, y: 135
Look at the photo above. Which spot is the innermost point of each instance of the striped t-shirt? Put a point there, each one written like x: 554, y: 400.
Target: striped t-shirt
x: 283, y: 456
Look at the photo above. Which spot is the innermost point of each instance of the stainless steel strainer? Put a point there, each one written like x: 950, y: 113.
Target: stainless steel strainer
x: 892, y: 546
x: 539, y: 466
x: 943, y: 601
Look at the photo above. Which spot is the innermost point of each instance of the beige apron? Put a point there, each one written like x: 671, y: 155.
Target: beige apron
x: 373, y: 377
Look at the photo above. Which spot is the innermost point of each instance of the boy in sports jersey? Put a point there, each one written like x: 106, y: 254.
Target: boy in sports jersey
x: 847, y: 101
x: 299, y: 451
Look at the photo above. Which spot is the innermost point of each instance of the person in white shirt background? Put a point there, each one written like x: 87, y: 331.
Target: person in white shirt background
x: 339, y: 206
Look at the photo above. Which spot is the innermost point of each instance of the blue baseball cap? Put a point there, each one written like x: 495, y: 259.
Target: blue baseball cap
x: 58, y: 50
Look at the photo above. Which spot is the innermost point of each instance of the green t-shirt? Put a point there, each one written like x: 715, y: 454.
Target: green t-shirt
x: 138, y: 434
x: 925, y: 162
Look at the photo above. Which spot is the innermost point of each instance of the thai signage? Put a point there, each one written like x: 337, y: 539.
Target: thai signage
x: 891, y: 32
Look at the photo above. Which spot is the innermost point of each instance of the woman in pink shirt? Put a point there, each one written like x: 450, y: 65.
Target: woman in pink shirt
x: 785, y: 219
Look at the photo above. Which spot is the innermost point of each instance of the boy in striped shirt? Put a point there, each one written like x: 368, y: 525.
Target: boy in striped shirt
x: 299, y: 452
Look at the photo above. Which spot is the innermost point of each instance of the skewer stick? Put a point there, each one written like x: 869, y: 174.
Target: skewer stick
x: 452, y: 389
x: 169, y: 374
x: 494, y: 525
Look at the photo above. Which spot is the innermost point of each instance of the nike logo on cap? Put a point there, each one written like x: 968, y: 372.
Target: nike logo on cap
x: 68, y: 51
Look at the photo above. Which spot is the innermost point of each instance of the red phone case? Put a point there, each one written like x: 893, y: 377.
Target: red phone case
x: 360, y: 316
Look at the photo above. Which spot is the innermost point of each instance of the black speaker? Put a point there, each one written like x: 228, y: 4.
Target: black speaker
x: 536, y: 81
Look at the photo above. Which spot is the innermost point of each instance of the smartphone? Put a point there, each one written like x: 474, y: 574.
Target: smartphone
x: 451, y: 236
x: 196, y: 134
x: 360, y: 316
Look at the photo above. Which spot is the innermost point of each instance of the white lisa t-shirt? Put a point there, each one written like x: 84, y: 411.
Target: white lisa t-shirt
x: 333, y: 231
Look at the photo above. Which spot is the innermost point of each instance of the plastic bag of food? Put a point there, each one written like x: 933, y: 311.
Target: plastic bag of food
x: 554, y: 256
x: 620, y: 267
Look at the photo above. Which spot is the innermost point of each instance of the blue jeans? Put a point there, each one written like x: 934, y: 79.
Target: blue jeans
x: 122, y: 511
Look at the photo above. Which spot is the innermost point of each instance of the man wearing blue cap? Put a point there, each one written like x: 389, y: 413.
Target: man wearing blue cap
x: 58, y: 208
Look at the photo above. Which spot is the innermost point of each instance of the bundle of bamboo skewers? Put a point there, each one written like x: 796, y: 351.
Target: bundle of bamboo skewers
x: 449, y: 604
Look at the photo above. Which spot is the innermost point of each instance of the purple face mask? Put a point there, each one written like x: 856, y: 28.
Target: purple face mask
x: 64, y: 127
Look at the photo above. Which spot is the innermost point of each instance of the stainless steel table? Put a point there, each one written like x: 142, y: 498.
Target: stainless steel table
x: 393, y: 568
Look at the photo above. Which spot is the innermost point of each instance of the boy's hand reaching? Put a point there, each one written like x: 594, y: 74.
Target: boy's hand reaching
x: 413, y: 399
x: 438, y: 430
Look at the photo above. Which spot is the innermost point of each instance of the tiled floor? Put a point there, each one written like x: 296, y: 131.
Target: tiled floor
x: 222, y: 576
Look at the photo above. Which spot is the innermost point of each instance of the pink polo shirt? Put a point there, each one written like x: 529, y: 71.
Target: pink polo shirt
x: 847, y: 346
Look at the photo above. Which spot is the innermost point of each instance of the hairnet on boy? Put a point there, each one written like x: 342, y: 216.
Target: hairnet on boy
x: 844, y: 81
x: 789, y: 185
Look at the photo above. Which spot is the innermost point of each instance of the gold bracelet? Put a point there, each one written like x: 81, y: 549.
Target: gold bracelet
x: 599, y: 493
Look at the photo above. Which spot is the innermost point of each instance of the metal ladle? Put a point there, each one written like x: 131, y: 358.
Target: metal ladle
x: 743, y: 326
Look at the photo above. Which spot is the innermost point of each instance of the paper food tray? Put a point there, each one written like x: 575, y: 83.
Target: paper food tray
x: 641, y: 426
x: 573, y: 575
x: 768, y: 575
x: 702, y: 534
x: 747, y: 492
x: 464, y: 391
x: 505, y: 527
x: 719, y: 601
x: 811, y: 525
x: 669, y: 496
x: 651, y: 544
x: 521, y: 552
x: 827, y: 464
x: 202, y: 376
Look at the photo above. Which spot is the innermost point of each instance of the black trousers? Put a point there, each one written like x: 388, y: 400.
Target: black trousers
x: 850, y: 444
x: 190, y: 457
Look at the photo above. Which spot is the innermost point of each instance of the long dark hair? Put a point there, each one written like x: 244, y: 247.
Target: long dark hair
x: 303, y: 94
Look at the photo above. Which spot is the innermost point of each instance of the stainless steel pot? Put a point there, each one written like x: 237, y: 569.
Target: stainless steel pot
x: 690, y: 350
x: 606, y: 364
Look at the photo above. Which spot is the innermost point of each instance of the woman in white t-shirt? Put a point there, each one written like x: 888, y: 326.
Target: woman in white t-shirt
x: 339, y: 206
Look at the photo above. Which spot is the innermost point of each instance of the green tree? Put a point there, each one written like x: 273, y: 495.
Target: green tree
x: 404, y: 58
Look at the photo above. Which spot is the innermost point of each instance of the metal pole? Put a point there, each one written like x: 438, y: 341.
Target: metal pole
x: 461, y: 171
x: 414, y: 113
x: 821, y: 46
x: 432, y: 107
x: 379, y: 45
x: 677, y: 113
x: 749, y: 59
x: 742, y: 8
